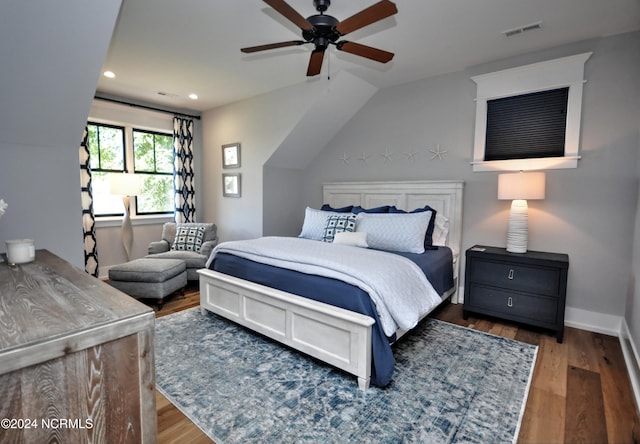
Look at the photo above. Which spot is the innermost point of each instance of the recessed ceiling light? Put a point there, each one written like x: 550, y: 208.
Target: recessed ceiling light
x: 109, y: 74
x: 193, y: 96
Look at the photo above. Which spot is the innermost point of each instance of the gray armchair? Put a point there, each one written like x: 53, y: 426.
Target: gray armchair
x: 194, y: 260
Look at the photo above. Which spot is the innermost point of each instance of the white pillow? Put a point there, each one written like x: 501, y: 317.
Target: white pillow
x: 357, y: 239
x: 314, y: 223
x: 440, y: 230
x: 395, y: 231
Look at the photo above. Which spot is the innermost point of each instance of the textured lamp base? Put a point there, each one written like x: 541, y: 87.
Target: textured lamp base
x: 518, y: 233
x: 127, y: 230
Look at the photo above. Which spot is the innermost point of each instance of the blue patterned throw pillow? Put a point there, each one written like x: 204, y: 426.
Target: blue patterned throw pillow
x: 338, y: 224
x: 188, y: 238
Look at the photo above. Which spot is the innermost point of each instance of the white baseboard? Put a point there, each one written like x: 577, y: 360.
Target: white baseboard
x: 591, y: 321
x: 631, y: 359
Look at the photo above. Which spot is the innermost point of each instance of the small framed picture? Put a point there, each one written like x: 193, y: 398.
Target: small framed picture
x: 231, y: 155
x: 231, y: 184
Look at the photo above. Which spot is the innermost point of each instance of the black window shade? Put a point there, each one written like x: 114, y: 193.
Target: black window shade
x: 527, y: 126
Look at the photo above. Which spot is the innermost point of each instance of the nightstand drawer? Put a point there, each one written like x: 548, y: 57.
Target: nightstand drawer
x: 539, y: 280
x: 516, y: 306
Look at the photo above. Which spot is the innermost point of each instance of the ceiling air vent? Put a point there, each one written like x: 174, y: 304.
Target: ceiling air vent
x: 520, y: 30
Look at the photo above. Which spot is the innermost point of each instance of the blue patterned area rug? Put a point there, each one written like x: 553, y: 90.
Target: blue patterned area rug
x: 451, y: 385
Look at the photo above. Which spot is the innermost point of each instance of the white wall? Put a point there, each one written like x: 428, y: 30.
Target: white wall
x: 51, y: 53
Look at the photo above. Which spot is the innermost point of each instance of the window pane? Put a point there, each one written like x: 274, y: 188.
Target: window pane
x: 527, y: 126
x: 104, y: 203
x: 143, y: 151
x: 111, y: 144
x: 157, y: 195
x: 164, y: 153
x: 94, y: 149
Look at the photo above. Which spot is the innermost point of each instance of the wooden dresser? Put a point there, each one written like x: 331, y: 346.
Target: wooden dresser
x: 76, y: 358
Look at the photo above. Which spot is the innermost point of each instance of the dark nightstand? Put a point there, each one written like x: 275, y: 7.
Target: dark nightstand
x: 530, y: 287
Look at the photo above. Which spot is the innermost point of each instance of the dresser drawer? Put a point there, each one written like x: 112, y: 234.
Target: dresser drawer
x: 517, y: 306
x: 538, y: 280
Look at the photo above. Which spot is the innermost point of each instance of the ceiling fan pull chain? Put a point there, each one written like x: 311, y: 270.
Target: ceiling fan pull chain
x: 328, y: 64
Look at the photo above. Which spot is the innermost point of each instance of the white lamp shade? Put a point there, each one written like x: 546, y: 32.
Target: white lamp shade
x: 125, y: 184
x: 512, y: 186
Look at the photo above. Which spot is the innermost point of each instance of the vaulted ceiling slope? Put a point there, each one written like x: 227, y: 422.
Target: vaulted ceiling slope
x: 163, y: 50
x: 51, y: 56
x: 331, y: 109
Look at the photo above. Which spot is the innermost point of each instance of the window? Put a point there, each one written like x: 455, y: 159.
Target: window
x: 115, y: 149
x: 527, y: 126
x: 509, y: 133
x: 108, y: 155
x: 153, y: 158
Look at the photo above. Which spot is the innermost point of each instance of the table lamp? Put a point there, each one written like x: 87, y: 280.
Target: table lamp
x: 519, y: 187
x: 126, y: 185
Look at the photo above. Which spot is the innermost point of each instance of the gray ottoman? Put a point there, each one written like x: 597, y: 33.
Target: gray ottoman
x: 149, y: 278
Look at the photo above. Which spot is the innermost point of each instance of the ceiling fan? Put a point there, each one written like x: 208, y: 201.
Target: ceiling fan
x: 323, y: 30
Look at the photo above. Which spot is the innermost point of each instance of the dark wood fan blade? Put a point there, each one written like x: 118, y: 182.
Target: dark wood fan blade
x: 251, y: 49
x: 315, y: 62
x: 372, y: 14
x: 291, y: 14
x: 365, y: 51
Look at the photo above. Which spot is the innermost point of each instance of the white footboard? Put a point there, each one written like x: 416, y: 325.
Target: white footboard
x: 336, y: 336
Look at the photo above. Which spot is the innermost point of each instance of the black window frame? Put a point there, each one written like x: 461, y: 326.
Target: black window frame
x: 124, y: 147
x: 110, y: 170
x: 146, y: 172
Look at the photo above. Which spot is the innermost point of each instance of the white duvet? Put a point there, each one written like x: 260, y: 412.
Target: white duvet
x: 397, y: 286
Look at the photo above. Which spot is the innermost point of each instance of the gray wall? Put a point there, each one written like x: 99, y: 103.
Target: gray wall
x: 260, y: 125
x: 51, y: 56
x: 589, y: 212
x: 632, y: 312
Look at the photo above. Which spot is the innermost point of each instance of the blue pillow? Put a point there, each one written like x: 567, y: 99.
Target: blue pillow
x: 359, y: 209
x: 428, y: 239
x: 327, y: 207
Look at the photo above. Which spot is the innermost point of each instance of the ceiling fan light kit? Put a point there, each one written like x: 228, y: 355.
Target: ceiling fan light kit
x: 323, y: 30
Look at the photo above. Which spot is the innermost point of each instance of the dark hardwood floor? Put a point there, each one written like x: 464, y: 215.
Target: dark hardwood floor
x: 580, y: 393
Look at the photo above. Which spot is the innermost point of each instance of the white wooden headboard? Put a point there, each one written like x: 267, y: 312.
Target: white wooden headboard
x: 445, y: 196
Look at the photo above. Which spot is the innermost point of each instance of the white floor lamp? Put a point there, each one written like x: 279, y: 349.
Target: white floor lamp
x: 518, y: 187
x: 126, y: 185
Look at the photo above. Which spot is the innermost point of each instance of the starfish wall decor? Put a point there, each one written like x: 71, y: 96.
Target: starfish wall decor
x: 411, y: 155
x: 437, y: 152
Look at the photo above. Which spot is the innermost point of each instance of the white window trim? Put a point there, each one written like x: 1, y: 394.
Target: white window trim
x: 116, y: 221
x: 542, y: 76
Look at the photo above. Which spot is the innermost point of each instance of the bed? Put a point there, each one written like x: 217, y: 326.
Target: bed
x: 350, y: 340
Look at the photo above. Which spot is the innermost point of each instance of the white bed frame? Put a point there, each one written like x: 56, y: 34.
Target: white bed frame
x: 334, y: 335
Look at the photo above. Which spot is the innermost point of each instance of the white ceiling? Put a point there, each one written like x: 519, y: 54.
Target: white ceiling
x: 193, y: 46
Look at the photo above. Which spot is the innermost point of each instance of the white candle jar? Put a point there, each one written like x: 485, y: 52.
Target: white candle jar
x: 20, y: 251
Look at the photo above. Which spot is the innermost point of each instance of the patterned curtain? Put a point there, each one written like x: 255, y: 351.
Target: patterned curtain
x: 185, y: 209
x: 88, y: 218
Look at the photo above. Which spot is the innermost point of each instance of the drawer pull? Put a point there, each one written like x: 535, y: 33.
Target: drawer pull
x: 510, y: 277
x: 510, y: 301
